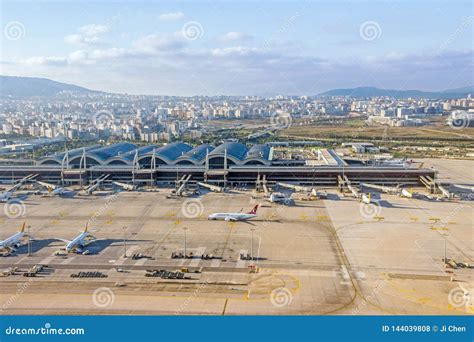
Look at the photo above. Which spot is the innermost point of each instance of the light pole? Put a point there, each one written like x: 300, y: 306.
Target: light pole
x: 251, y: 244
x: 445, y: 252
x: 185, y: 254
x: 124, y: 243
x: 29, y: 241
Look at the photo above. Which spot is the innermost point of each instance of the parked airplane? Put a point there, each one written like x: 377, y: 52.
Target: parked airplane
x: 53, y: 190
x: 297, y: 188
x: 402, y: 192
x: 406, y: 193
x: 6, y: 195
x: 235, y: 216
x: 12, y: 243
x: 278, y: 197
x: 125, y: 186
x: 367, y: 198
x: 77, y: 244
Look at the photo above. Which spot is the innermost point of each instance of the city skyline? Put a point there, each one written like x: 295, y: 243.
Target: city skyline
x: 239, y: 48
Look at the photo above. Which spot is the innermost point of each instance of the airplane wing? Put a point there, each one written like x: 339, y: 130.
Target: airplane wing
x: 14, y: 188
x: 47, y: 185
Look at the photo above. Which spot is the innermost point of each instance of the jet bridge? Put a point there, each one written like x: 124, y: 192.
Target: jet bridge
x: 435, y: 187
x: 261, y: 185
x: 95, y: 184
x: 214, y: 188
x: 182, y: 184
x: 344, y: 182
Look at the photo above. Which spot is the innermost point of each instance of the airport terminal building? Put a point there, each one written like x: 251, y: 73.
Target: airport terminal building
x: 229, y: 162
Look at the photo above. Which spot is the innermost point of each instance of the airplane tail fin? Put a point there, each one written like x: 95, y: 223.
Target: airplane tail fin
x: 23, y: 227
x: 254, y: 210
x: 87, y: 226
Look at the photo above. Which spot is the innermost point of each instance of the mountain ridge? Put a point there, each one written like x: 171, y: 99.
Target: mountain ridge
x: 373, y: 91
x: 18, y: 86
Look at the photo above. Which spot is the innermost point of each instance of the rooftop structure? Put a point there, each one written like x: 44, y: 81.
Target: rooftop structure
x: 177, y: 153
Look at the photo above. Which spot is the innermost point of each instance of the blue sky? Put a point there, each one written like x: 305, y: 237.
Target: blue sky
x: 245, y: 47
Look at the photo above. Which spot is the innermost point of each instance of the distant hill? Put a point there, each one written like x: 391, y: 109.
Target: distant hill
x: 32, y: 86
x: 372, y: 91
x: 464, y: 90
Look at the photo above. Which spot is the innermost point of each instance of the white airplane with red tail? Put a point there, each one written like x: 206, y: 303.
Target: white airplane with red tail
x: 235, y: 216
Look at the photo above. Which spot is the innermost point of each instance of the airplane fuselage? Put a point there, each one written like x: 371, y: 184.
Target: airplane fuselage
x: 77, y: 243
x: 13, y: 241
x: 277, y: 198
x: 367, y: 199
x: 57, y: 191
x: 231, y: 216
x: 5, y: 196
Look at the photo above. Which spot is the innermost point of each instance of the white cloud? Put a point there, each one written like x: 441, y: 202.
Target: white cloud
x: 49, y: 60
x: 88, y: 35
x: 236, y: 51
x: 79, y: 57
x: 171, y: 16
x: 94, y: 30
x: 111, y: 53
x: 238, y: 69
x: 158, y: 43
x: 234, y: 36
